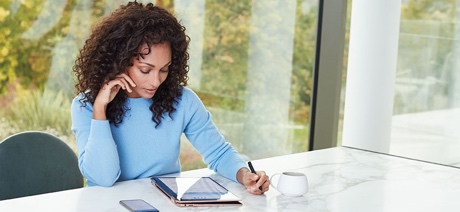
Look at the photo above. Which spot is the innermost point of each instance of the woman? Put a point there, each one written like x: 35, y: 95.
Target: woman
x: 132, y: 105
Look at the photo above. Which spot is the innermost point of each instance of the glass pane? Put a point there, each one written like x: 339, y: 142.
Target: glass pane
x: 38, y: 44
x: 344, y: 73
x: 426, y: 108
x: 250, y: 62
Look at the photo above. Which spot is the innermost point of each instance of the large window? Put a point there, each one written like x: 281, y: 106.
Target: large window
x: 425, y: 98
x: 251, y: 64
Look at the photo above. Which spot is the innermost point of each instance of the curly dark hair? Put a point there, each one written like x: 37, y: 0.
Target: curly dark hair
x: 116, y: 40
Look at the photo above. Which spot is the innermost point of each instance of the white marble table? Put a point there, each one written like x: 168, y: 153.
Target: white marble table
x: 340, y: 179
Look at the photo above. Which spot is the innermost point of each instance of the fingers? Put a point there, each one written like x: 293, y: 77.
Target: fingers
x: 258, y: 183
x: 123, y: 83
x: 128, y: 80
x: 110, y: 88
x: 122, y: 80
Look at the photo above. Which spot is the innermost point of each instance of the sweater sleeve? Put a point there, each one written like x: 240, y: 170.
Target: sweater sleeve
x: 97, y: 152
x: 200, y: 130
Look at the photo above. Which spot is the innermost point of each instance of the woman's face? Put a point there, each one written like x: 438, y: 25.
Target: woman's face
x: 149, y: 72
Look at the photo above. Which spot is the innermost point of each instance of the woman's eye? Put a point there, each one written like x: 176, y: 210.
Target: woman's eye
x: 164, y: 71
x: 144, y: 71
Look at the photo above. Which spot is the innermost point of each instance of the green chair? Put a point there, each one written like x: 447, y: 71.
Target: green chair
x: 35, y: 162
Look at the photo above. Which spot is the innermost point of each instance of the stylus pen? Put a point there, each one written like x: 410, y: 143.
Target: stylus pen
x: 253, y: 171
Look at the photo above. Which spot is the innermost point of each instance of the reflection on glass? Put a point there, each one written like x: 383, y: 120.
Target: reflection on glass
x: 255, y: 70
x: 427, y: 95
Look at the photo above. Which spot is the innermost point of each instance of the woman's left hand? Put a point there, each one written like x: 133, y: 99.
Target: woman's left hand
x: 253, y: 182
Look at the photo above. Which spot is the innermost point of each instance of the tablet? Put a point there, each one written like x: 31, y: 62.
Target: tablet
x: 195, y: 191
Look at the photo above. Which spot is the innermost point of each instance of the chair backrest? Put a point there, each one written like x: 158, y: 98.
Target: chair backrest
x: 36, y: 162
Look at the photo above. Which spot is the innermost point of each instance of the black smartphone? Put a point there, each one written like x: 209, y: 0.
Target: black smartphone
x: 138, y: 205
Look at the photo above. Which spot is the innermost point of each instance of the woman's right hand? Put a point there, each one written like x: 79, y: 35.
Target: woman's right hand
x: 108, y: 92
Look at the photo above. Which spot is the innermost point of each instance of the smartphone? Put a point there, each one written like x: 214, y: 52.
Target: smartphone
x: 138, y: 205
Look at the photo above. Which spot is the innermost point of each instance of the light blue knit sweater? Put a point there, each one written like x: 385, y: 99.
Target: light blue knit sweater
x: 136, y: 149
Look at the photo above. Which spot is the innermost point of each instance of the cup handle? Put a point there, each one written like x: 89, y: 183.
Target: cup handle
x: 271, y: 180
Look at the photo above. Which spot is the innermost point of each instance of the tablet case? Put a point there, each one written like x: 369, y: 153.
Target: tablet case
x: 195, y: 191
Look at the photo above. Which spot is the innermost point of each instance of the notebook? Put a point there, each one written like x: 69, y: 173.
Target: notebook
x: 195, y: 191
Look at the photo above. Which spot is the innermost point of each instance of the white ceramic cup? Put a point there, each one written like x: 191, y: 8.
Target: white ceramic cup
x: 290, y: 184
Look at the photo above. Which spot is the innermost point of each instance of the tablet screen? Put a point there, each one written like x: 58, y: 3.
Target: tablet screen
x: 195, y: 188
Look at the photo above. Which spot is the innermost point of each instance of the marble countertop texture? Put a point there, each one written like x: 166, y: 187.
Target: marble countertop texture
x: 348, y: 179
x: 340, y: 179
